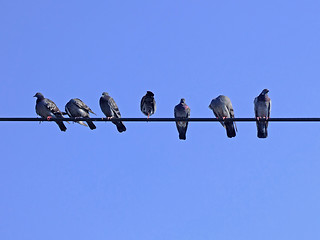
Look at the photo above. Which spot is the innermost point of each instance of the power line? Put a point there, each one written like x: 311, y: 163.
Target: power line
x: 25, y: 119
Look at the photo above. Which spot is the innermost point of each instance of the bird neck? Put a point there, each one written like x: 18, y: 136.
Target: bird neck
x: 39, y: 99
x: 263, y: 97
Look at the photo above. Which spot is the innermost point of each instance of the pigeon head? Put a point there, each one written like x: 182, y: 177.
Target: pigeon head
x: 264, y: 91
x: 105, y: 94
x: 182, y: 100
x: 149, y: 93
x: 39, y: 95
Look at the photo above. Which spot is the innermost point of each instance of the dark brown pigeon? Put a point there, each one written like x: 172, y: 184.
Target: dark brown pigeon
x: 111, y: 110
x: 48, y: 109
x: 182, y: 110
x: 148, y: 104
x: 262, y: 108
x: 78, y: 109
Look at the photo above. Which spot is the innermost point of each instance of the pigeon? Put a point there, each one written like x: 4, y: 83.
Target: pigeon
x: 148, y: 104
x: 78, y: 109
x: 182, y: 110
x: 222, y: 108
x: 262, y: 108
x: 48, y: 109
x: 110, y: 109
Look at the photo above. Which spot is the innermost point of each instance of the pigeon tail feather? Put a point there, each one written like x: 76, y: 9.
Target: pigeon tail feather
x: 182, y: 133
x: 231, y: 132
x: 62, y: 126
x: 182, y: 136
x: 120, y: 126
x: 262, y: 130
x: 91, y: 125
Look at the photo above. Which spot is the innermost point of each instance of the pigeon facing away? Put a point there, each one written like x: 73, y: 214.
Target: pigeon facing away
x: 262, y: 108
x: 148, y: 104
x: 111, y: 110
x: 222, y: 108
x: 48, y: 109
x: 182, y: 110
x: 78, y: 109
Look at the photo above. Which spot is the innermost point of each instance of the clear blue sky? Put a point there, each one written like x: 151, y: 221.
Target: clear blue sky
x: 146, y: 183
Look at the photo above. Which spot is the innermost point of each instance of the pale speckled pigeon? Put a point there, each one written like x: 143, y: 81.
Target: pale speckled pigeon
x: 148, y: 104
x: 222, y: 108
x: 48, y: 109
x: 182, y: 110
x: 110, y: 109
x: 262, y: 108
x: 78, y: 109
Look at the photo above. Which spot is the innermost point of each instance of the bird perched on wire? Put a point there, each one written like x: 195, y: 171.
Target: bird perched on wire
x: 182, y: 110
x: 48, y: 109
x: 148, y: 104
x: 78, y: 109
x: 222, y: 108
x: 110, y: 109
x: 262, y: 108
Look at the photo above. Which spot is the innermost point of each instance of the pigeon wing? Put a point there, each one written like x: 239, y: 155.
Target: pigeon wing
x: 230, y: 109
x: 231, y: 112
x: 256, y: 107
x: 52, y: 107
x: 142, y: 102
x: 269, y: 110
x: 82, y: 105
x: 114, y: 107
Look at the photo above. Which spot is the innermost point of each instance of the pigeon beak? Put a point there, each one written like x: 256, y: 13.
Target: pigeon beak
x: 34, y: 96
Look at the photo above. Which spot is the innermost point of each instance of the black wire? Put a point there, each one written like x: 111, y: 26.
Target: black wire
x: 25, y: 119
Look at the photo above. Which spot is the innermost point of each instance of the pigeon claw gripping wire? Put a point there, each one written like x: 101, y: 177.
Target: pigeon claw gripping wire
x: 49, y: 118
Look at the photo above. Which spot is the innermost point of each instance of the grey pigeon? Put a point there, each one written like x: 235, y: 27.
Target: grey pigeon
x: 262, y: 108
x: 148, y: 104
x: 78, y: 109
x: 48, y: 109
x: 222, y: 108
x: 111, y: 110
x: 182, y: 110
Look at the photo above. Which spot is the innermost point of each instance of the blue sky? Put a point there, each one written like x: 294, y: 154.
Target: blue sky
x: 146, y: 183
